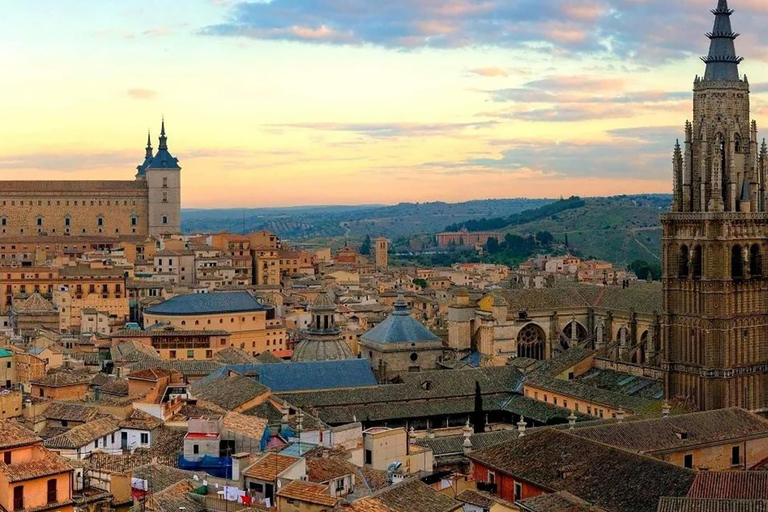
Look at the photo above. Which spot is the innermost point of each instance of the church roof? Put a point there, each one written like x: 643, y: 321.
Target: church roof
x: 400, y: 327
x: 314, y: 349
x: 722, y: 61
x: 35, y: 304
x: 207, y: 303
x: 163, y: 159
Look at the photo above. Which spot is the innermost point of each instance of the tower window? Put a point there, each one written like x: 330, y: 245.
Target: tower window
x: 165, y: 182
x: 4, y: 221
x: 39, y: 221
x: 755, y: 261
x: 67, y: 221
x: 737, y: 263
x: 134, y: 220
x: 100, y: 221
x: 684, y: 270
x: 697, y: 262
x: 165, y: 219
x: 165, y: 197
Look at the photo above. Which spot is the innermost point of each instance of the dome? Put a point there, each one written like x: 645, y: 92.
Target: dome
x: 400, y: 327
x: 323, y: 301
x: 321, y: 350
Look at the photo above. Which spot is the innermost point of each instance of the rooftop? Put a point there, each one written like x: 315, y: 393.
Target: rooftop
x: 12, y: 433
x: 400, y: 327
x: 227, y: 392
x: 207, y: 304
x: 308, y: 492
x: 608, y: 477
x: 81, y: 435
x: 412, y: 494
x: 43, y: 464
x: 270, y: 466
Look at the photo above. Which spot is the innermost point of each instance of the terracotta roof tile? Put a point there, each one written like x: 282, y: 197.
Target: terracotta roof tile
x: 268, y: 467
x: 13, y: 434
x: 44, y: 463
x: 83, y: 434
x: 412, y: 495
x: 736, y: 485
x: 308, y: 493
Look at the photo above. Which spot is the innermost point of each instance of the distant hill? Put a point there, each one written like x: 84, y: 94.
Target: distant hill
x: 620, y: 229
x: 354, y: 222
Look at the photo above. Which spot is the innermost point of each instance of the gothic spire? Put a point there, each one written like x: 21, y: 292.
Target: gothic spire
x: 149, y: 145
x: 163, y: 139
x: 722, y: 61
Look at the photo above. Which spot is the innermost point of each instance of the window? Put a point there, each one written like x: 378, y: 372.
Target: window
x: 52, y: 490
x: 7, y: 457
x: 134, y: 220
x: 491, y: 477
x: 112, y: 439
x: 518, y: 491
x: 340, y: 484
x: 165, y: 182
x: 165, y: 219
x: 100, y: 221
x: 144, y: 438
x: 190, y: 354
x: 165, y: 197
x: 195, y: 449
x: 735, y: 456
x: 589, y: 409
x: 18, y: 497
x: 172, y: 354
x: 688, y: 461
x: 39, y: 221
x: 209, y: 354
x: 368, y: 457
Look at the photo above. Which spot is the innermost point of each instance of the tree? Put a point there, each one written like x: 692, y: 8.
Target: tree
x: 365, y: 249
x: 544, y: 237
x: 643, y: 269
x: 492, y: 245
x: 478, y: 415
x: 566, y: 239
x: 420, y: 282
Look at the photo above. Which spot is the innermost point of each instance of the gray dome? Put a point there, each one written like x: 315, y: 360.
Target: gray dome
x: 322, y: 350
x: 400, y: 327
x: 323, y: 302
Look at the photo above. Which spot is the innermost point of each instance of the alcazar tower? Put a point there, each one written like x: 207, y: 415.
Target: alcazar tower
x: 715, y: 331
x: 74, y: 211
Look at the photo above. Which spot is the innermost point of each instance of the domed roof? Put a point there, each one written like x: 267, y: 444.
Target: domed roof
x: 400, y: 327
x: 323, y: 301
x: 322, y: 350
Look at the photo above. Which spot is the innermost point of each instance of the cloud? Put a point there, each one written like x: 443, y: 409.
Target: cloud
x: 490, y: 72
x: 393, y: 130
x: 648, y: 31
x: 142, y: 94
x: 637, y: 153
x: 70, y: 162
x: 157, y: 32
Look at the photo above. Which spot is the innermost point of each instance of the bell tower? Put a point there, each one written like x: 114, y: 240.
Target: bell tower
x: 715, y: 331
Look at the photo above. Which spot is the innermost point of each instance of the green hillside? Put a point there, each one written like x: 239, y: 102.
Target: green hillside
x: 620, y: 229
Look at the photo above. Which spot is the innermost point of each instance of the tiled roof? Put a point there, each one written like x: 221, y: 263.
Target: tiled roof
x: 412, y: 495
x: 249, y: 426
x: 307, y: 375
x: 164, y: 330
x: 267, y: 358
x: 44, y: 463
x: 270, y: 466
x: 71, y: 411
x: 115, y: 387
x: 417, y: 386
x: 731, y: 485
x: 454, y: 445
x: 187, y: 367
x: 83, y: 434
x: 678, y: 431
x: 133, y: 351
x: 234, y: 355
x: 150, y: 374
x: 557, y: 502
x: 308, y: 493
x: 61, y: 379
x: 481, y: 499
x: 707, y: 505
x: 207, y: 303
x: 34, y: 304
x: 228, y: 393
x: 642, y: 297
x: 173, y: 498
x: 139, y: 420
x: 12, y: 433
x: 367, y: 504
x: 161, y: 477
x: 324, y: 469
x: 608, y: 477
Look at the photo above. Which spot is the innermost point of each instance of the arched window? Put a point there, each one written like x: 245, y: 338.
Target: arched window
x: 755, y: 261
x: 684, y: 271
x: 737, y: 263
x: 531, y: 341
x: 697, y: 262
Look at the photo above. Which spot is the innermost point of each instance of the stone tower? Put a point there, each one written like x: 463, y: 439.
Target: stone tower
x: 163, y: 176
x: 381, y: 252
x: 715, y: 330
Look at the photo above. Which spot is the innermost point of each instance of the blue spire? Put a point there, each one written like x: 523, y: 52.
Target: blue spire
x: 149, y: 145
x: 722, y: 61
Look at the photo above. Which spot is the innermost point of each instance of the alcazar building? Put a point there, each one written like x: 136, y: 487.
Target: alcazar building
x: 149, y: 205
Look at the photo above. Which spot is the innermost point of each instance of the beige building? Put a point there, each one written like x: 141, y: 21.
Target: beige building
x: 253, y: 327
x: 383, y: 446
x: 148, y: 205
x: 381, y: 252
x: 83, y: 287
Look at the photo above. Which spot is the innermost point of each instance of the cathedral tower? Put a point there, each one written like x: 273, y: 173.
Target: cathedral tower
x: 715, y: 290
x: 163, y: 176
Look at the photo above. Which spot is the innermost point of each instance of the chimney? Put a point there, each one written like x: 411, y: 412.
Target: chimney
x: 665, y: 409
x: 566, y: 471
x: 467, y: 444
x: 571, y: 421
x: 521, y: 427
x: 620, y: 415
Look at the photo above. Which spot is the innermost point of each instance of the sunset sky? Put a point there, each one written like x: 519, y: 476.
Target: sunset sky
x: 295, y: 102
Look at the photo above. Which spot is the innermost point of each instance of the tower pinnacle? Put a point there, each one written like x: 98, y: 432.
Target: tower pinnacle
x: 722, y: 61
x: 163, y: 139
x: 149, y: 145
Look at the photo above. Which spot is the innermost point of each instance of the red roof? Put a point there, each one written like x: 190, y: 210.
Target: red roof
x: 202, y: 435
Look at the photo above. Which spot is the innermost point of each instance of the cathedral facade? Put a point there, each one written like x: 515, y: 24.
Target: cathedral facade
x: 149, y: 205
x: 715, y: 287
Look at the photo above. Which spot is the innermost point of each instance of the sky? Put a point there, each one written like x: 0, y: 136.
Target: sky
x: 298, y: 102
